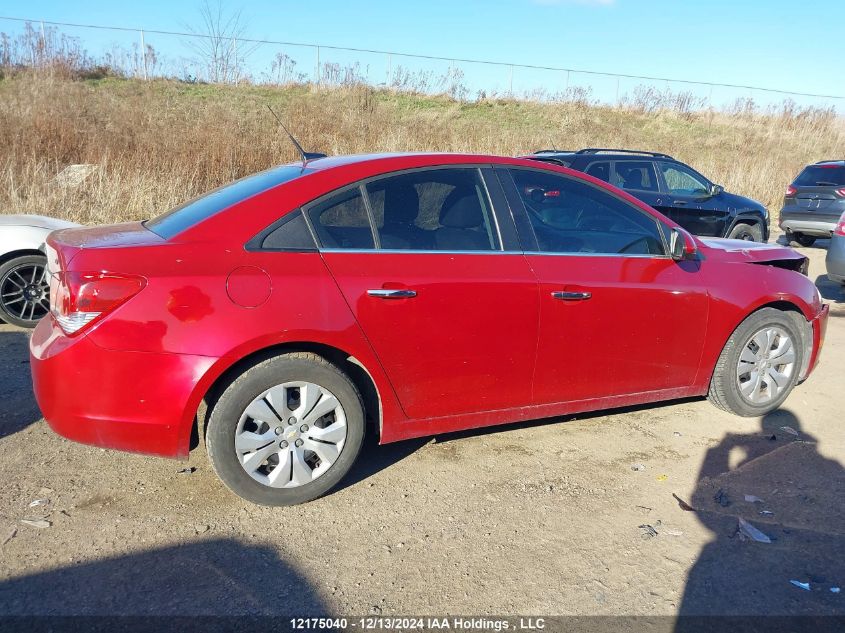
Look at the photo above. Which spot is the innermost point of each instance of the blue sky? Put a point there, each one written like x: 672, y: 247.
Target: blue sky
x: 771, y: 43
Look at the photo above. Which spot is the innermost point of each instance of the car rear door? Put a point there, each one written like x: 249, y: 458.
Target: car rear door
x: 639, y: 178
x: 438, y: 285
x: 686, y: 199
x: 617, y: 315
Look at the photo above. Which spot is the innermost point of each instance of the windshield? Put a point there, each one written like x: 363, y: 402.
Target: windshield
x: 195, y: 211
x: 821, y: 176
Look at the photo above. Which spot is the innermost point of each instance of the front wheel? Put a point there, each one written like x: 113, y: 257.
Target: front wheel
x: 747, y: 232
x: 24, y: 290
x: 286, y: 431
x: 759, y: 364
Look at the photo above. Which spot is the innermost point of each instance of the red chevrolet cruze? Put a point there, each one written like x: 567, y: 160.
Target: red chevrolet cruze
x: 424, y: 293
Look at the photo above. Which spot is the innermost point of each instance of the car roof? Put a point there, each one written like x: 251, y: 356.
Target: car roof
x: 433, y: 158
x: 840, y: 163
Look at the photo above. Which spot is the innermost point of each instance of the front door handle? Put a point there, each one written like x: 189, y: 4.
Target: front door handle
x: 680, y: 203
x: 565, y: 295
x: 392, y: 293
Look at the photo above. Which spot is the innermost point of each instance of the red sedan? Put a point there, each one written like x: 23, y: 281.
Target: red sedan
x: 422, y: 293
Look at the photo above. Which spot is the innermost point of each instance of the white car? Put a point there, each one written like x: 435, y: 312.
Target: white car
x: 24, y: 287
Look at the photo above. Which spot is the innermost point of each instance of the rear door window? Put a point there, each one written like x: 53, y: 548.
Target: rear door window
x: 342, y: 221
x: 636, y: 175
x: 600, y: 171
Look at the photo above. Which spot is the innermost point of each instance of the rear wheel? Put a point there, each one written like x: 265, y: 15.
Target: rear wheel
x: 759, y: 364
x: 803, y: 239
x: 747, y: 232
x: 286, y: 431
x: 24, y: 290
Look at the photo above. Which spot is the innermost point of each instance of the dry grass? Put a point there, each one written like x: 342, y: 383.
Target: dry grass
x: 158, y: 143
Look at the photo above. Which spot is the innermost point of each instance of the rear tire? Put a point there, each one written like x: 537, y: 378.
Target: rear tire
x: 751, y: 379
x: 803, y: 239
x: 747, y: 232
x: 267, y: 459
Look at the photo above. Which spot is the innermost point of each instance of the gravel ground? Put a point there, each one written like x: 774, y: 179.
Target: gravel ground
x: 544, y: 518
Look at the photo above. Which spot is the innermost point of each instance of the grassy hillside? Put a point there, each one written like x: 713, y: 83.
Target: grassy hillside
x: 158, y: 143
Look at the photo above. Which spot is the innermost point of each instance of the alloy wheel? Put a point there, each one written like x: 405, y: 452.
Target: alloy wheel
x: 766, y: 365
x: 25, y: 292
x: 291, y: 434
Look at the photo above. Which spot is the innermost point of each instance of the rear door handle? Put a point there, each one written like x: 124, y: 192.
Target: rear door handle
x: 392, y: 293
x: 565, y: 295
x: 680, y: 203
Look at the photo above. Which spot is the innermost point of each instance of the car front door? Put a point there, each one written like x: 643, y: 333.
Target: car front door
x: 688, y: 201
x: 438, y: 285
x: 617, y: 315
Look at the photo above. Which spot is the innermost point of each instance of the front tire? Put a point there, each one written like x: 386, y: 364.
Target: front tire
x: 286, y: 431
x: 747, y: 232
x: 24, y: 290
x: 759, y: 364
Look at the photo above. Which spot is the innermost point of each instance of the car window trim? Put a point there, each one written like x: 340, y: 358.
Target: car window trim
x: 536, y: 250
x: 254, y: 244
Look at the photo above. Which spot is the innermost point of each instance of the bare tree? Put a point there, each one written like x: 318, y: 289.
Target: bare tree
x: 216, y: 43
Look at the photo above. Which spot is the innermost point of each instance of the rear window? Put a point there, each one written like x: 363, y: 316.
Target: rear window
x: 195, y: 211
x: 821, y: 176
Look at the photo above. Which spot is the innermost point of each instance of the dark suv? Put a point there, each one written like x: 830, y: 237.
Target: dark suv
x: 671, y: 187
x: 814, y: 202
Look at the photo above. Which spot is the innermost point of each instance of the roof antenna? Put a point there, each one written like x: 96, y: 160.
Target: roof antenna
x: 306, y: 156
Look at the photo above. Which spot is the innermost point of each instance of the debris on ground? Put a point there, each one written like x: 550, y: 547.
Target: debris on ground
x: 649, y: 531
x: 37, y: 523
x: 766, y: 513
x: 722, y: 498
x: 746, y: 529
x: 39, y: 502
x: 645, y: 509
x: 801, y: 585
x: 790, y: 430
x: 662, y: 477
x: 683, y: 504
x: 753, y: 499
x: 676, y: 434
x: 74, y: 175
x: 10, y: 535
x: 187, y: 471
x: 638, y: 467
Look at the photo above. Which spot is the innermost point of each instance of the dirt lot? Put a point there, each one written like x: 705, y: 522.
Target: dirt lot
x: 541, y: 518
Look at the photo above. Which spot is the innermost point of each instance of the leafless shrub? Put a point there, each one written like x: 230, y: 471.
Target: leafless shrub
x: 217, y: 45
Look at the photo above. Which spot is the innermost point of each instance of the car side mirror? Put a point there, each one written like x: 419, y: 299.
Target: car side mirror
x: 715, y: 190
x: 682, y: 245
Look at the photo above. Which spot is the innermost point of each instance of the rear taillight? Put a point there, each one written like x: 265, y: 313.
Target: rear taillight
x: 840, y: 191
x: 840, y: 227
x: 790, y: 190
x: 78, y: 299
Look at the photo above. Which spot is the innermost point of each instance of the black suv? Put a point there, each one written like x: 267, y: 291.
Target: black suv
x: 673, y: 188
x: 814, y: 202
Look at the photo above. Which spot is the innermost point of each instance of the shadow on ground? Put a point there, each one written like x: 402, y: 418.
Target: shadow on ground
x: 800, y: 509
x: 17, y: 403
x: 213, y: 577
x: 830, y: 290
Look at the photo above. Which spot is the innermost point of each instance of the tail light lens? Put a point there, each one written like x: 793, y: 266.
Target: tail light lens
x: 840, y: 192
x: 840, y: 227
x: 791, y: 191
x: 78, y: 299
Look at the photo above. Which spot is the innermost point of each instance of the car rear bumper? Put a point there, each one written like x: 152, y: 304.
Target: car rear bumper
x: 131, y: 401
x: 835, y: 259
x: 816, y: 224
